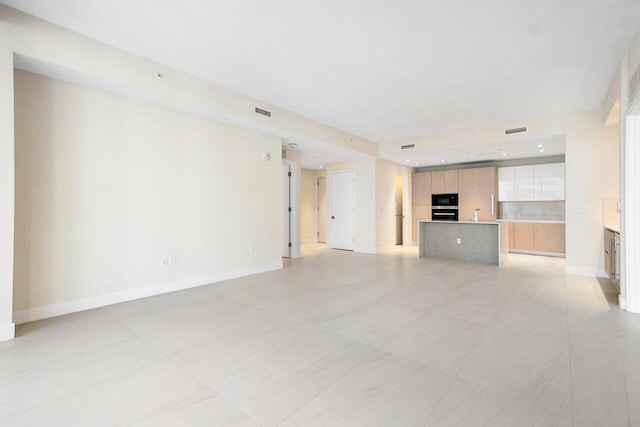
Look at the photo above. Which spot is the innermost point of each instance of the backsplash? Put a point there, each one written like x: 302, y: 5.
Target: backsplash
x: 550, y: 211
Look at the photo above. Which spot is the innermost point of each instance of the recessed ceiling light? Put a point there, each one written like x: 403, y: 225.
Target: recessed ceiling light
x: 321, y: 166
x: 542, y: 151
x: 408, y: 161
x: 471, y: 158
x: 504, y: 154
x: 540, y: 145
x: 442, y: 161
x: 416, y: 163
x: 160, y: 75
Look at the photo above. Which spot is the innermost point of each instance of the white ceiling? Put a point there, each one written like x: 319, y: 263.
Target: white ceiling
x: 384, y: 69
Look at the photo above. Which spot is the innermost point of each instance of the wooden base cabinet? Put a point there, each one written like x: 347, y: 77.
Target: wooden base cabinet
x: 537, y: 238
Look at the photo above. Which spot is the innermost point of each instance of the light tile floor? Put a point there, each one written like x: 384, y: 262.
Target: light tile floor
x: 339, y: 339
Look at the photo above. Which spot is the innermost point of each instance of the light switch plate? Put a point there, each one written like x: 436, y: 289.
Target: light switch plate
x: 459, y: 241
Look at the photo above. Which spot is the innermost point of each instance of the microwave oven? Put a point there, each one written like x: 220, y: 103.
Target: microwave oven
x: 444, y: 200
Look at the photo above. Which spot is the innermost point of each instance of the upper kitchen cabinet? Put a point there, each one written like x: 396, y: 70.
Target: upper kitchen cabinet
x: 549, y: 181
x: 444, y: 182
x: 421, y: 184
x: 506, y: 184
x: 525, y: 183
x: 478, y: 191
x: 531, y: 183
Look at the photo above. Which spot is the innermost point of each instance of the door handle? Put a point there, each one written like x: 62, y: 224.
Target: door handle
x: 333, y: 217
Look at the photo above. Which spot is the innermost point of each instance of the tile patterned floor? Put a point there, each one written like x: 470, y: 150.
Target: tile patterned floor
x: 339, y: 339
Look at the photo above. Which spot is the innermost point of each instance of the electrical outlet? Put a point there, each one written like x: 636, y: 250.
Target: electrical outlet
x: 173, y: 260
x: 163, y: 262
x: 459, y: 241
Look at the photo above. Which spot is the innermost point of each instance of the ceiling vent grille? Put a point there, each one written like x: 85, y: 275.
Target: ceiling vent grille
x: 263, y: 112
x: 406, y: 147
x: 515, y: 130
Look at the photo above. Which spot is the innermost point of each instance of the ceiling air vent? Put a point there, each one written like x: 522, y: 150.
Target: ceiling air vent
x: 515, y: 130
x: 406, y: 147
x: 263, y: 112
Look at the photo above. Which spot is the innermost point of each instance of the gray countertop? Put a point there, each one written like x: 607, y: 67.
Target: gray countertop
x: 464, y: 222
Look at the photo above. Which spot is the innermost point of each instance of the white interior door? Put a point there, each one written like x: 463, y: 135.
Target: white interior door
x: 343, y: 210
x: 323, y: 211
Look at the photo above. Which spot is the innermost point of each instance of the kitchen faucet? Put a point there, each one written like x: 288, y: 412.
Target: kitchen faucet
x: 475, y: 215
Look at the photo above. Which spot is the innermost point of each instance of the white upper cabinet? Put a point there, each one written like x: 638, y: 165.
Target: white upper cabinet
x: 506, y: 184
x: 525, y: 183
x: 531, y: 183
x: 549, y: 181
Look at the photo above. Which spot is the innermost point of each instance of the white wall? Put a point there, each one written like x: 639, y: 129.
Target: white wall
x: 592, y: 170
x: 385, y: 204
x: 6, y: 184
x: 75, y: 56
x: 309, y: 205
x: 107, y: 186
x: 365, y: 169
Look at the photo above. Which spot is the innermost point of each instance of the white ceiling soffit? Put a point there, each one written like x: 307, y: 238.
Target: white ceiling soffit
x: 384, y: 70
x: 522, y: 149
x: 316, y: 153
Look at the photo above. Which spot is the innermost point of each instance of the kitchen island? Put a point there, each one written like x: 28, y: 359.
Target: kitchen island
x: 485, y: 242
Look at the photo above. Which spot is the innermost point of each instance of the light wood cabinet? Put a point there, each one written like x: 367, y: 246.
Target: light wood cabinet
x: 437, y: 182
x: 549, y: 237
x: 444, y: 182
x: 512, y: 232
x: 537, y: 237
x: 523, y: 236
x: 451, y: 181
x: 421, y: 188
x: 477, y: 190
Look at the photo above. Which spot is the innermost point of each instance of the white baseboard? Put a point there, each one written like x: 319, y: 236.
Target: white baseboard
x: 365, y: 250
x: 386, y: 248
x: 622, y: 302
x: 585, y: 271
x: 7, y: 331
x: 53, y: 310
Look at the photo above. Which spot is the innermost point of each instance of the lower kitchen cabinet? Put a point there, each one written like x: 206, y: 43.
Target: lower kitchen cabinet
x: 537, y: 238
x: 523, y: 236
x: 549, y: 238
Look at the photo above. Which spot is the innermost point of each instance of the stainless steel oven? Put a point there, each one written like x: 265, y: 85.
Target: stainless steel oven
x: 441, y: 213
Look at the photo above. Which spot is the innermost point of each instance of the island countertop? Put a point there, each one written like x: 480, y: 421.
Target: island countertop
x: 464, y: 240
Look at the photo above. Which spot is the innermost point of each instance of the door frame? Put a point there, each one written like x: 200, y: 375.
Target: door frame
x: 294, y: 203
x: 406, y: 208
x: 320, y: 218
x: 355, y: 209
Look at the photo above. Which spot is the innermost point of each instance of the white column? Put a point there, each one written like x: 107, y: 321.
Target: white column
x: 631, y: 218
x: 7, y: 185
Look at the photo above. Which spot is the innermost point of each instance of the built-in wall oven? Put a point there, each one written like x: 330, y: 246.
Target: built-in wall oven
x: 444, y: 207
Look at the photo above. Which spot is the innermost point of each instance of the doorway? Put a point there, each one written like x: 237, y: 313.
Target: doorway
x: 399, y: 208
x: 343, y: 210
x: 322, y: 209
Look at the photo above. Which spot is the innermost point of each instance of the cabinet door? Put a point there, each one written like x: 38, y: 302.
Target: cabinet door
x: 477, y: 191
x: 523, y: 236
x: 512, y: 235
x: 451, y: 181
x: 421, y: 212
x: 437, y: 182
x: 421, y: 188
x: 608, y: 249
x: 507, y: 184
x: 525, y: 183
x: 549, y: 181
x: 549, y: 237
